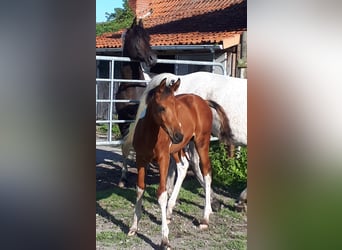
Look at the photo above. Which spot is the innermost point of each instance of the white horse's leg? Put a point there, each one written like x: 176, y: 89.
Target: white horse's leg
x: 137, y: 212
x: 182, y: 168
x: 207, y: 208
x: 127, y: 150
x: 241, y: 203
x: 124, y: 170
x: 162, y: 200
x: 238, y: 152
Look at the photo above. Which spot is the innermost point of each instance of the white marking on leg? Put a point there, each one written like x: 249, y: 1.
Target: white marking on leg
x: 137, y: 212
x: 162, y: 200
x: 207, y: 207
x: 182, y: 168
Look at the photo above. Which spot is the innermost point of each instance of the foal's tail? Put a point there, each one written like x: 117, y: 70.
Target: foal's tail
x: 225, y: 135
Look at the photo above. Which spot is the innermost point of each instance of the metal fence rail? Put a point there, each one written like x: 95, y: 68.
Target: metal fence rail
x: 108, y: 140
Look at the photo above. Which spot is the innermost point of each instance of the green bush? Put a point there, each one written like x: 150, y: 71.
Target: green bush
x: 228, y: 172
x: 103, y: 128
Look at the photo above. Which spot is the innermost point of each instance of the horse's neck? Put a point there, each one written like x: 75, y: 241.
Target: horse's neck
x: 132, y: 70
x: 146, y: 71
x: 149, y: 124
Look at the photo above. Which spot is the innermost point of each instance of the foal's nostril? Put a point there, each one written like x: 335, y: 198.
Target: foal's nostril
x: 152, y: 59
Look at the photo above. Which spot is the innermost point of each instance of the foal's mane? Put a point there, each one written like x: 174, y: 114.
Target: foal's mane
x: 150, y: 89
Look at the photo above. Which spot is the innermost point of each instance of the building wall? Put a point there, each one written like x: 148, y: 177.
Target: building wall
x: 186, y: 69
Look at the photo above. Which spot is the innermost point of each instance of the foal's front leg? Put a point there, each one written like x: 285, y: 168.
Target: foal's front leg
x: 162, y: 198
x: 138, y: 204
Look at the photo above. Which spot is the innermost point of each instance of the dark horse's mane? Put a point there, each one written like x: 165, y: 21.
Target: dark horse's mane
x: 137, y: 47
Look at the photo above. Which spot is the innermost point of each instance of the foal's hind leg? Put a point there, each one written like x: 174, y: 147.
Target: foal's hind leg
x: 182, y: 167
x: 202, y: 147
x: 195, y: 166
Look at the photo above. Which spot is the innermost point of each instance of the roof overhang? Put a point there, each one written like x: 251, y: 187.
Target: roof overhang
x: 231, y: 41
x: 115, y: 50
x: 210, y: 47
x: 188, y: 47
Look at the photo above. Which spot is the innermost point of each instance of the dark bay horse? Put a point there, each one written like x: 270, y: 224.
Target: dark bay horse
x: 167, y: 125
x: 136, y: 46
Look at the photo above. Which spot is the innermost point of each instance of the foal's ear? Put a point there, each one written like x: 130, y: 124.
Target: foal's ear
x: 175, y: 85
x: 162, y: 85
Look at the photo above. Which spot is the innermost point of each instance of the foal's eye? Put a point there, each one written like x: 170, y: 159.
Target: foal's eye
x: 161, y: 109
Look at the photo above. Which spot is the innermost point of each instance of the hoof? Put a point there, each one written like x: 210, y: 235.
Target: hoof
x: 122, y: 183
x: 132, y: 232
x: 240, y: 208
x: 203, y: 226
x: 216, y: 205
x: 165, y: 245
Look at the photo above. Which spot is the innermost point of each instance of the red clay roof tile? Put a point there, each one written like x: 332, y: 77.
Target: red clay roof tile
x: 186, y: 22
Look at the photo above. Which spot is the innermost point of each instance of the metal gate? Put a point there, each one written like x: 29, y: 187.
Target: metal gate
x: 107, y: 125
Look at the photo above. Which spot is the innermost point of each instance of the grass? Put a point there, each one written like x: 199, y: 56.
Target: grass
x: 118, y: 197
x: 237, y: 244
x: 119, y: 239
x: 103, y: 128
x: 119, y: 204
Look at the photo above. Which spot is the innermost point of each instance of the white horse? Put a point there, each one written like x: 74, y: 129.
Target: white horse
x: 229, y: 92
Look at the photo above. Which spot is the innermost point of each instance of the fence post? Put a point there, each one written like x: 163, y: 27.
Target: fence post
x: 242, y: 62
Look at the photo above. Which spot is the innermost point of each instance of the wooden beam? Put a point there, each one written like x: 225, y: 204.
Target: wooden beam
x: 231, y: 41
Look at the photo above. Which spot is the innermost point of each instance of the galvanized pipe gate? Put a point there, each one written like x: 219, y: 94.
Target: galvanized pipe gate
x: 108, y: 139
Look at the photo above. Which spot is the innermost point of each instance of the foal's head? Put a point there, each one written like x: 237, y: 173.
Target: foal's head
x: 137, y: 44
x: 161, y: 102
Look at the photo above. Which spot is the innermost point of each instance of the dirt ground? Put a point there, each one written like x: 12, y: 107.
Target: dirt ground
x: 227, y: 229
